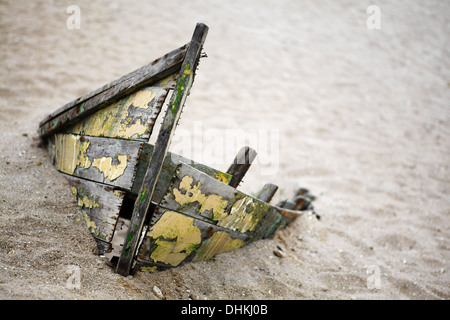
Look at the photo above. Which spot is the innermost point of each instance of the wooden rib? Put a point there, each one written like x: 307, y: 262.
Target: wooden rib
x: 173, y: 112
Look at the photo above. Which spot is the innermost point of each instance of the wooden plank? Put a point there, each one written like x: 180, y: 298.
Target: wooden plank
x: 240, y: 165
x: 116, y: 162
x: 170, y: 164
x: 195, y: 194
x: 109, y: 93
x: 176, y: 238
x: 267, y: 192
x: 99, y: 204
x: 131, y: 117
x: 170, y: 121
x: 108, y: 161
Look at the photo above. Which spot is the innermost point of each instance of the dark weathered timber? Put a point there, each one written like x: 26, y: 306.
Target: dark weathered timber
x: 173, y: 112
x: 240, y: 165
x: 100, y: 205
x: 108, y: 161
x: 267, y: 192
x: 96, y: 100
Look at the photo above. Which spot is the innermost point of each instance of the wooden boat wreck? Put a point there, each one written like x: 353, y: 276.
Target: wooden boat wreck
x: 147, y: 208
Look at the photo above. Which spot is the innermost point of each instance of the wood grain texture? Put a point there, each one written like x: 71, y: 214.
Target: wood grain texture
x: 240, y: 165
x: 267, y: 192
x: 109, y: 161
x: 99, y: 204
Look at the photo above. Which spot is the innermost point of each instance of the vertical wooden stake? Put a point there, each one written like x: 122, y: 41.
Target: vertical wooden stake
x: 267, y: 192
x: 240, y: 165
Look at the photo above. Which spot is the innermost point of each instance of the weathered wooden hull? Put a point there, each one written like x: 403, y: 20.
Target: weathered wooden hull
x: 200, y: 217
x: 146, y: 207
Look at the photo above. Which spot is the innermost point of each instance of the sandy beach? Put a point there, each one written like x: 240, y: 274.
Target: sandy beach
x: 358, y: 115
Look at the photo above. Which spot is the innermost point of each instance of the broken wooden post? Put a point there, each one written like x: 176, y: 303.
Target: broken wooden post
x: 301, y: 200
x: 267, y: 192
x: 240, y: 165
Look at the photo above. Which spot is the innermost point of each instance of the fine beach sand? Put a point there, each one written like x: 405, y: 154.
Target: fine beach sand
x: 361, y: 117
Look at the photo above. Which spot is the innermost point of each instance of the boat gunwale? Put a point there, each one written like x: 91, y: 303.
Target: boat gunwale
x: 144, y: 75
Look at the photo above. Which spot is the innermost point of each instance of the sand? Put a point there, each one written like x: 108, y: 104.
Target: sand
x: 359, y: 116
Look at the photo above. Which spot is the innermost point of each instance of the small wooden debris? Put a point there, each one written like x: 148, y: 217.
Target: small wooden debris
x: 279, y: 252
x: 267, y: 192
x: 240, y: 165
x: 158, y: 293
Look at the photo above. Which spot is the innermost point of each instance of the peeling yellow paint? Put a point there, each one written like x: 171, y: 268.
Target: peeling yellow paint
x: 86, y: 203
x: 142, y: 98
x: 149, y: 269
x: 112, y: 121
x: 169, y: 80
x: 243, y: 215
x: 193, y: 193
x: 104, y: 164
x: 90, y: 224
x: 70, y: 152
x: 115, y: 119
x: 74, y: 191
x: 175, y: 236
x: 223, y: 177
x: 220, y: 242
x: 117, y: 193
